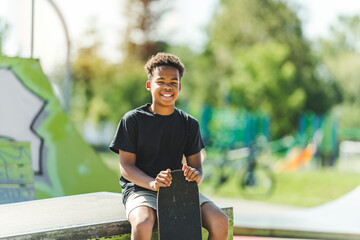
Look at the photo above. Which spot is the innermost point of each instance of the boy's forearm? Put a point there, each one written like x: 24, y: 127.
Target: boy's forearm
x: 193, y: 173
x: 199, y: 169
x: 194, y: 162
x: 136, y: 176
x: 201, y: 173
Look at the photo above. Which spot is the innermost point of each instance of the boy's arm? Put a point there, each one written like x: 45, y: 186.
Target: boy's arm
x: 193, y: 169
x: 138, y: 177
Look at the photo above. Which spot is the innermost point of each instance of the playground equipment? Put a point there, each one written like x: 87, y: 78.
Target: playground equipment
x: 253, y: 177
x: 316, y: 140
x: 233, y: 128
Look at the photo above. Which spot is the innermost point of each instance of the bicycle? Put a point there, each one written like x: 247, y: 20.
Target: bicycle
x: 254, y: 178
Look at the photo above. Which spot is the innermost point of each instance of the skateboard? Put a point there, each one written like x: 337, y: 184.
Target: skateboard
x: 178, y: 210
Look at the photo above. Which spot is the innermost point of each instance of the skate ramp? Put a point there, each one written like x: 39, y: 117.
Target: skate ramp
x: 63, y: 163
x: 338, y: 219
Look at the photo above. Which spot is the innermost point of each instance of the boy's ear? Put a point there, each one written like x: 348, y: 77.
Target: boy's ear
x: 148, y: 84
x: 179, y: 87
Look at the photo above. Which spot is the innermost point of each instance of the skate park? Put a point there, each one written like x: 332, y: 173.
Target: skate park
x: 54, y: 184
x: 99, y: 209
x: 74, y: 216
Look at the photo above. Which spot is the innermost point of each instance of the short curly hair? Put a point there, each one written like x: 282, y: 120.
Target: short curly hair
x: 164, y: 59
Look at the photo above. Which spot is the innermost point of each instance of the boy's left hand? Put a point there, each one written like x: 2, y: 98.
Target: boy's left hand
x: 191, y: 174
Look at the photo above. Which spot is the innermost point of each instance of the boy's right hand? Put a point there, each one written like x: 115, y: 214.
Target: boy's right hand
x: 163, y: 179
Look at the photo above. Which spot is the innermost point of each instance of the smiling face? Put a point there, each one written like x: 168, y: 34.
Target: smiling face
x: 164, y: 87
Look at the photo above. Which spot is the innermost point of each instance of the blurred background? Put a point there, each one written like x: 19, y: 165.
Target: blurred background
x: 272, y: 82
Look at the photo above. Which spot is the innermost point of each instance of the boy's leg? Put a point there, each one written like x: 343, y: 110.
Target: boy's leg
x: 215, y: 221
x: 142, y: 221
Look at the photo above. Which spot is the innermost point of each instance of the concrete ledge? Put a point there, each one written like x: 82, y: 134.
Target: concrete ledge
x: 91, y: 231
x: 86, y: 216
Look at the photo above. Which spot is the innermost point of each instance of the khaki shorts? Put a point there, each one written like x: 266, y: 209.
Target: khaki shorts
x: 148, y: 199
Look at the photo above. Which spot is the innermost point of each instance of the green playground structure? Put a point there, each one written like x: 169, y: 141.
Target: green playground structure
x: 317, y: 136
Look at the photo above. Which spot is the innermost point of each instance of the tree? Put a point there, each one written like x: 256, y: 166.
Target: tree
x: 260, y: 60
x: 143, y: 17
x: 341, y: 56
x: 4, y: 28
x: 104, y: 91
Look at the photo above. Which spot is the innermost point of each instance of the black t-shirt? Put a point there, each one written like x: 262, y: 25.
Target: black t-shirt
x: 158, y: 141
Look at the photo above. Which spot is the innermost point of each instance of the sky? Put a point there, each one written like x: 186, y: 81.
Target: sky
x: 318, y: 15
x: 50, y: 42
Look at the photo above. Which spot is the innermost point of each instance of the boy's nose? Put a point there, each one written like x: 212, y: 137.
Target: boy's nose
x: 167, y: 86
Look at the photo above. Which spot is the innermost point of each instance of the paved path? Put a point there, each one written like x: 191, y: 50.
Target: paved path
x: 263, y: 238
x: 247, y: 212
x: 339, y: 219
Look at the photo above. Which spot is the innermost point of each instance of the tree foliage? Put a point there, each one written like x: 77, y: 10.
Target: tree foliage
x: 340, y: 53
x: 4, y: 29
x: 143, y: 17
x: 104, y: 91
x: 257, y: 58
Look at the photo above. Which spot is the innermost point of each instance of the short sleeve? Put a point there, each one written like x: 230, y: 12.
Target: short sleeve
x: 194, y: 142
x: 125, y: 138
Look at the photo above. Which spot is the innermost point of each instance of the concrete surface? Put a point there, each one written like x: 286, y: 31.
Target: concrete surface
x: 85, y: 216
x: 339, y: 219
x: 49, y: 214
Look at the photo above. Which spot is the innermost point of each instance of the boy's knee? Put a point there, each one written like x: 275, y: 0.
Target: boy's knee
x: 214, y: 219
x: 142, y: 221
x: 220, y: 221
x: 143, y: 226
x: 220, y: 227
x: 223, y: 220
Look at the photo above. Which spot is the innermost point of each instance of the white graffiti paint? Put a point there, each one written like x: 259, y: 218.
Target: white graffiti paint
x: 19, y: 108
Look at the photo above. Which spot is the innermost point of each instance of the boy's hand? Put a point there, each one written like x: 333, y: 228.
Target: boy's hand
x: 163, y: 179
x: 191, y: 174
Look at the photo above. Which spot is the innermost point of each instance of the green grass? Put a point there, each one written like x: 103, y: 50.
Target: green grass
x: 304, y: 188
x: 111, y: 160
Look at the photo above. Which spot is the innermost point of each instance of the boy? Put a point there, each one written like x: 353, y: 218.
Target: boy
x: 151, y: 141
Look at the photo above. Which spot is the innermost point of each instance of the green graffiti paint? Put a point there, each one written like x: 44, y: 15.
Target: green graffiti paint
x: 16, y: 173
x: 67, y: 165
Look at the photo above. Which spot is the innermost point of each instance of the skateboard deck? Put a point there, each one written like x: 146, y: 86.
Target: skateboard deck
x: 178, y: 209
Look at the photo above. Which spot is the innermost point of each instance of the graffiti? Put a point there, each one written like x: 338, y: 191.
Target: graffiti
x: 15, y: 163
x: 16, y: 173
x: 61, y: 161
x: 12, y: 195
x: 18, y: 114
